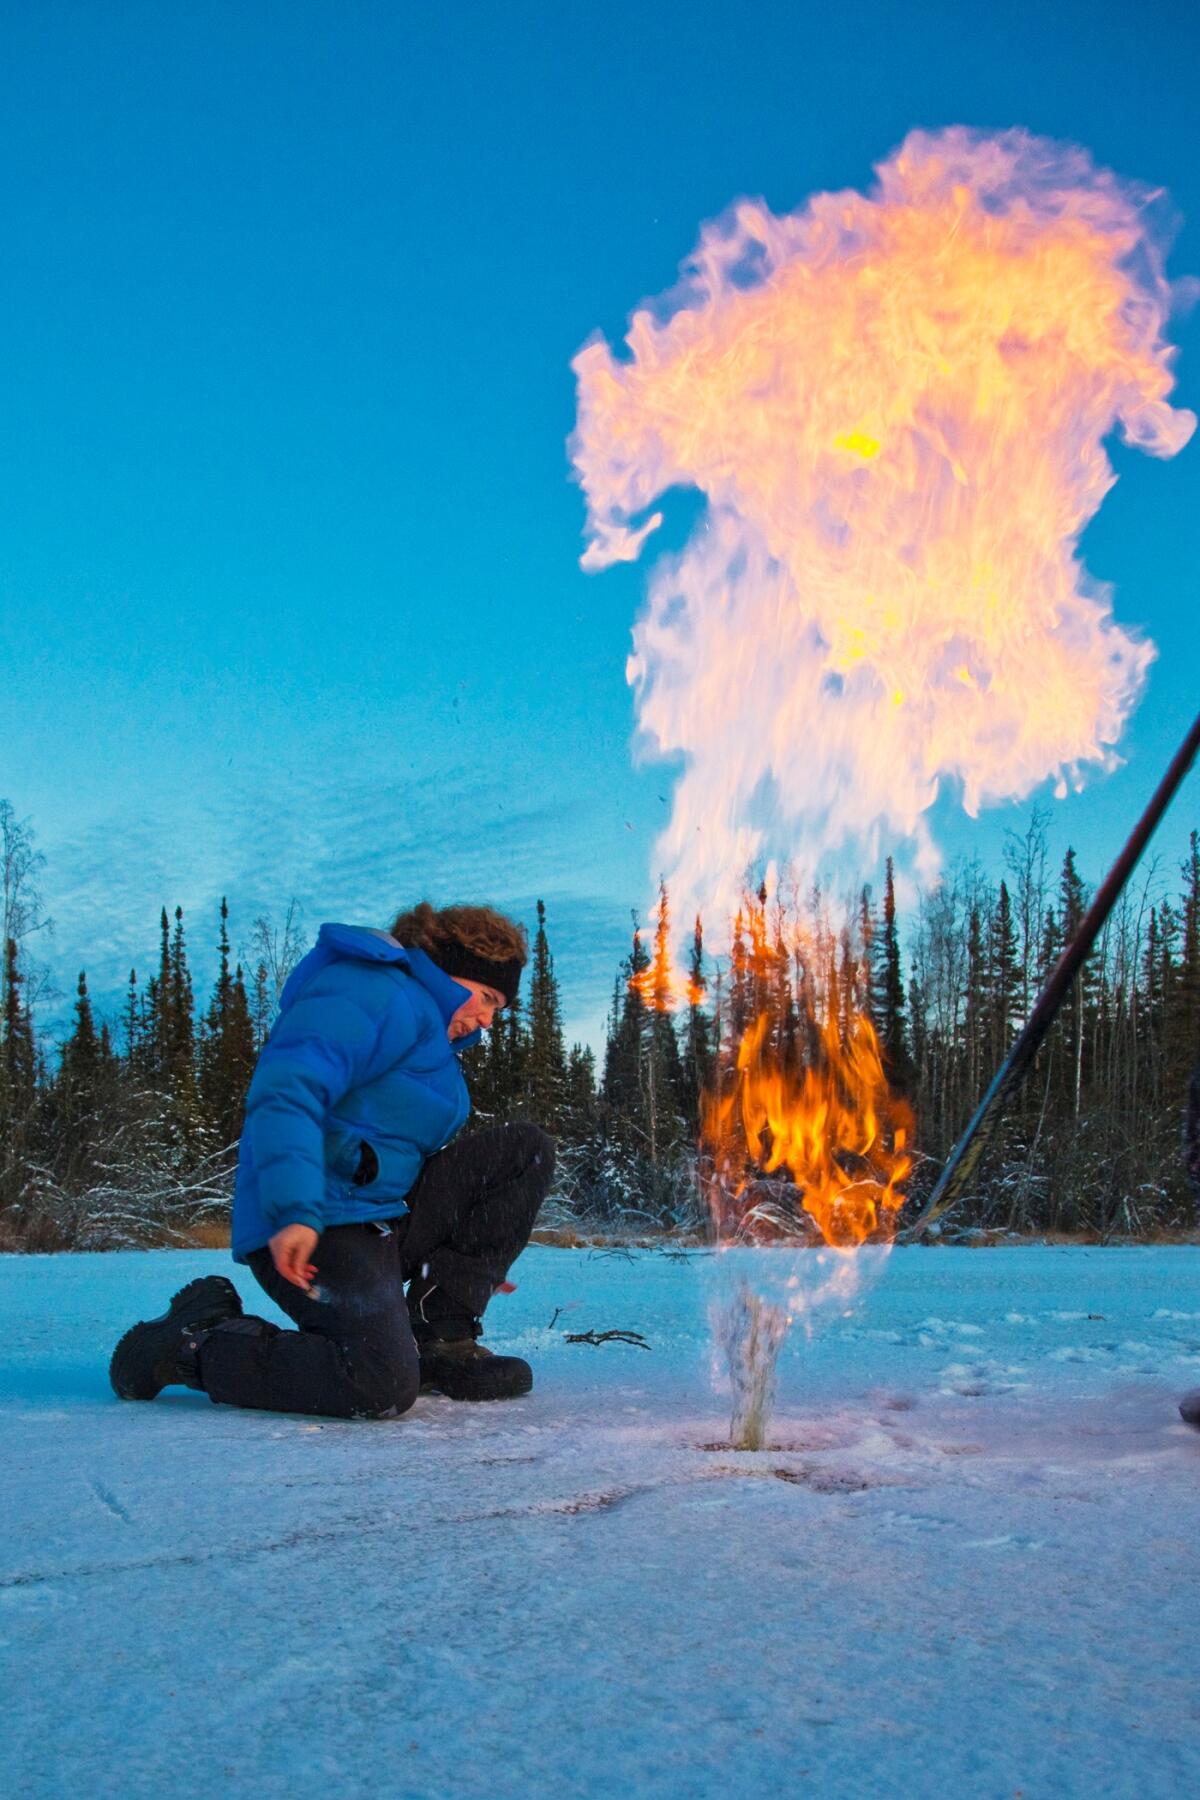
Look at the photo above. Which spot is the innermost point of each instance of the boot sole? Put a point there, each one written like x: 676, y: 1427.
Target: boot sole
x: 157, y: 1338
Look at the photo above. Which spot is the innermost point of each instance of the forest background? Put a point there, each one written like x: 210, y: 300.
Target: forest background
x: 125, y: 1132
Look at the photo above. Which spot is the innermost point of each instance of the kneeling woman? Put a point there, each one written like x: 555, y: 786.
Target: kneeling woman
x: 348, y: 1187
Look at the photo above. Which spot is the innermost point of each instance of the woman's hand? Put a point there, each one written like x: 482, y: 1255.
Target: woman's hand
x: 292, y: 1249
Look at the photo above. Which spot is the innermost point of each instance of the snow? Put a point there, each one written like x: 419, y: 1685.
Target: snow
x: 967, y: 1567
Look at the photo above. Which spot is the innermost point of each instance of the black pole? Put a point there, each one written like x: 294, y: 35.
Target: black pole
x: 970, y: 1147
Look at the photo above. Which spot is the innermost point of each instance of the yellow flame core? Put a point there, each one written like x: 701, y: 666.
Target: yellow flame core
x: 895, y: 405
x: 859, y: 443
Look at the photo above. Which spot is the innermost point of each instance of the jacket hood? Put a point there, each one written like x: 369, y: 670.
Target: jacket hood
x: 448, y: 993
x: 363, y: 943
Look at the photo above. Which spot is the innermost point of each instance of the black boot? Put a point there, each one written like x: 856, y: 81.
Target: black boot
x: 464, y: 1369
x: 1189, y: 1408
x: 453, y: 1361
x: 162, y: 1352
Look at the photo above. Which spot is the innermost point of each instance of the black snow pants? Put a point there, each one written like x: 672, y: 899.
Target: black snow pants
x: 472, y: 1209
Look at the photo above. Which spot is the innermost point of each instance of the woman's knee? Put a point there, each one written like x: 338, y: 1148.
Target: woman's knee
x: 533, y: 1147
x: 385, y: 1383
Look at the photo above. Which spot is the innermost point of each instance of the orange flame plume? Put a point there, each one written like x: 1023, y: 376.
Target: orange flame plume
x: 655, y: 983
x: 895, y: 405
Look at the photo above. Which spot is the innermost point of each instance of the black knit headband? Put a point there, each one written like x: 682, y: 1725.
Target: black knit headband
x: 454, y: 958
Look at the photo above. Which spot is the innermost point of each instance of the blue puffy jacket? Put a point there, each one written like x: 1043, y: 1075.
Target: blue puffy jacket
x: 359, y: 1055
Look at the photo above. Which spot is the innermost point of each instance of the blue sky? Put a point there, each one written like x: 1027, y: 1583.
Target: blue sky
x: 289, y: 589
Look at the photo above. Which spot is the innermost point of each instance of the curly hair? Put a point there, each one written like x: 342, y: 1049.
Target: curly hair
x: 480, y: 929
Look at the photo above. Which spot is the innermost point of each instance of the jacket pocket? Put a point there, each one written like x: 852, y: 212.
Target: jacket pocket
x: 384, y: 1168
x: 342, y: 1153
x: 367, y: 1171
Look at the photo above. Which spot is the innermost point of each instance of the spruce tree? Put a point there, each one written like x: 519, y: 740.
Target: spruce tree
x: 81, y: 1102
x: 974, y: 1005
x: 182, y: 1022
x: 866, y: 932
x: 545, y: 1070
x: 1182, y: 1026
x: 214, y: 1074
x: 919, y: 1086
x: 132, y: 1020
x: 241, y: 1054
x: 81, y: 1054
x: 1072, y: 899
x: 1150, y: 1012
x: 699, y: 1053
x: 740, y: 1005
x: 660, y: 984
x: 889, y: 1002
x: 495, y: 1069
x: 159, y: 1035
x: 223, y: 991
x: 1161, y: 988
x: 643, y: 1075
x: 579, y: 1109
x: 662, y: 1087
x: 1072, y: 903
x: 480, y: 1067
x: 18, y: 1047
x: 1003, y: 979
x: 622, y: 1086
x: 504, y: 1068
x: 174, y: 1035
x: 227, y: 1047
x: 662, y: 1078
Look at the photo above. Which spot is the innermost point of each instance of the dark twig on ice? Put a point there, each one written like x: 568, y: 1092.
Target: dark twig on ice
x: 554, y: 1320
x: 608, y: 1337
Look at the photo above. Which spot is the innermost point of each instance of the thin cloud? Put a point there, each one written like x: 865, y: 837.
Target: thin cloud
x: 355, y: 849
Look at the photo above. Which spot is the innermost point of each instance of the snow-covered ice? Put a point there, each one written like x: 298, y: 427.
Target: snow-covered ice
x: 968, y: 1566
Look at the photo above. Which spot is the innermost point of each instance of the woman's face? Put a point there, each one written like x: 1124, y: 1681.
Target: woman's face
x: 478, y: 1011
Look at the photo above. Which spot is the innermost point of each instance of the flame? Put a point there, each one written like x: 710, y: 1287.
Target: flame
x: 819, y: 1112
x: 656, y: 982
x: 895, y: 405
x: 695, y: 992
x: 834, y: 1129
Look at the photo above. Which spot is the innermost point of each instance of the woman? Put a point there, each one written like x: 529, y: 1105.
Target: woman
x: 348, y: 1187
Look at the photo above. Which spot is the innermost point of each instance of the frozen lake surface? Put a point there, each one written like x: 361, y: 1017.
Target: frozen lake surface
x: 968, y: 1566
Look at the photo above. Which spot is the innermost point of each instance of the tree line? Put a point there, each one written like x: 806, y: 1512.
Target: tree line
x: 126, y: 1132
x: 1094, y: 1143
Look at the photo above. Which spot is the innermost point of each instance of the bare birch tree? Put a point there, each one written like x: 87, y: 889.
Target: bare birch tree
x: 24, y: 913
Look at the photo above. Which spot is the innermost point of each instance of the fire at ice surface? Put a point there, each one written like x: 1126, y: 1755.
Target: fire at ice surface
x: 804, y: 1147
x: 894, y: 405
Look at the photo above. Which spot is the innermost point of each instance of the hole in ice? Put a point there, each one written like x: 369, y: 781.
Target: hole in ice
x: 826, y: 1481
x: 819, y: 1438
